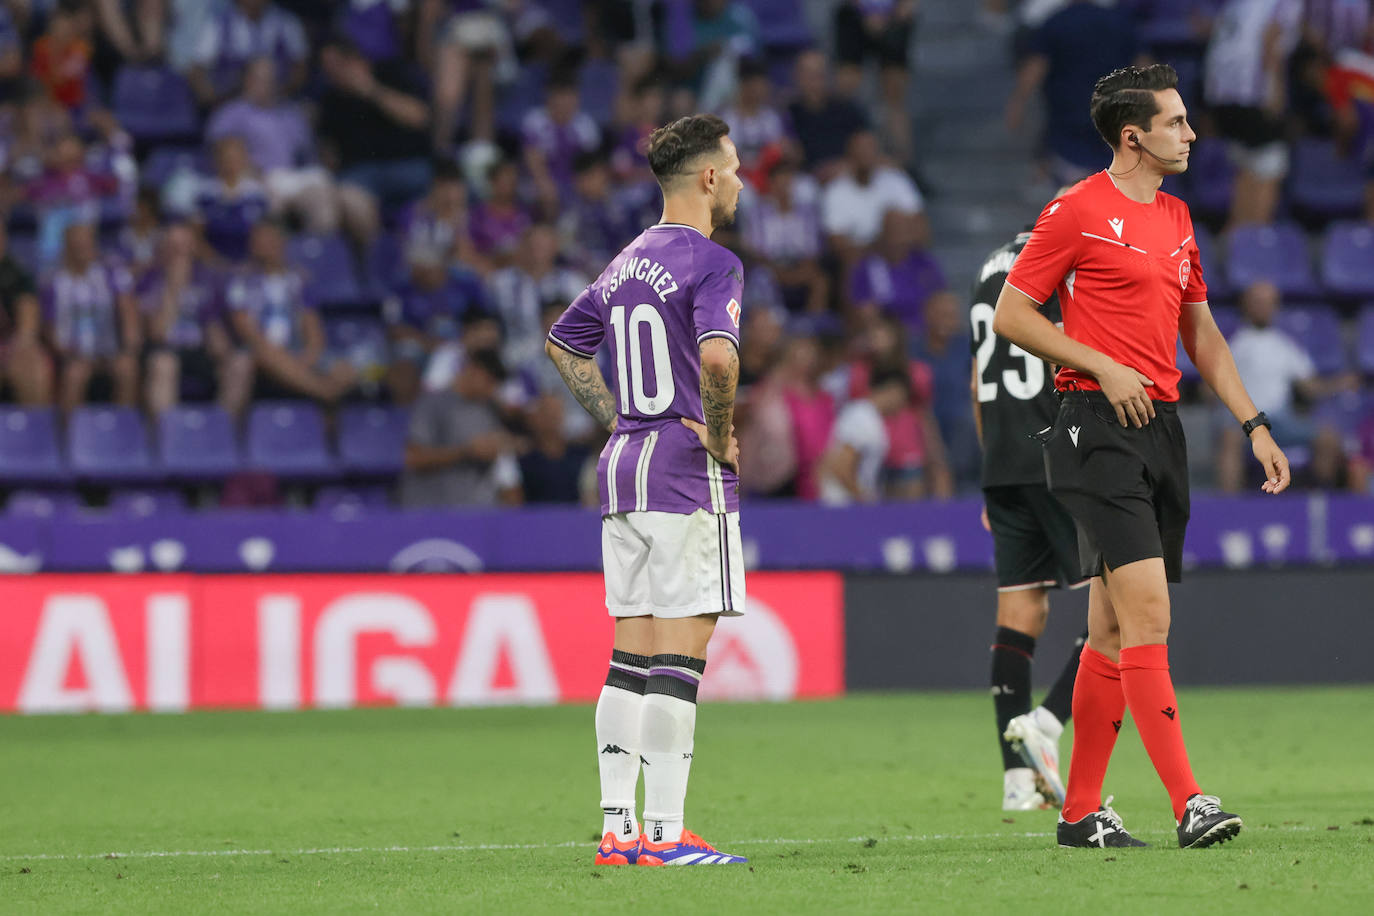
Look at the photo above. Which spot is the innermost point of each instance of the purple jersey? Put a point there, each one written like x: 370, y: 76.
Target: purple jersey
x: 198, y: 305
x: 668, y: 291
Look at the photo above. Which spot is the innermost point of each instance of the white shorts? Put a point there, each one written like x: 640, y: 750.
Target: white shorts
x: 673, y: 565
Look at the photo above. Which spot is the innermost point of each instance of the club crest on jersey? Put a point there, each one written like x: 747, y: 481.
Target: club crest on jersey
x: 732, y: 309
x: 1185, y: 267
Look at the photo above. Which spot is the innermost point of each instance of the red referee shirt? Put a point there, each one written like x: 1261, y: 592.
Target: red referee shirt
x: 1123, y: 270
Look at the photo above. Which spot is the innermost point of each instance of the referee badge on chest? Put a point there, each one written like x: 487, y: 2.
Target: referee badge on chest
x: 1185, y: 267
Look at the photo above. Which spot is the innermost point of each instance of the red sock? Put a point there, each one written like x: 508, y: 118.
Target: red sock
x: 1098, y: 705
x: 1150, y: 693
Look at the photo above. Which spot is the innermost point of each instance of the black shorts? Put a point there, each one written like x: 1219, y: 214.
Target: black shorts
x: 199, y: 378
x: 1250, y: 127
x: 1033, y: 539
x: 1126, y: 488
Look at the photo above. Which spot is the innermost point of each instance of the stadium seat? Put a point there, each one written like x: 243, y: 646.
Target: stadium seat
x: 41, y: 503
x: 1318, y: 329
x: 145, y: 503
x: 23, y: 247
x: 1364, y: 339
x: 328, y: 265
x: 153, y: 103
x: 1211, y: 177
x: 286, y: 438
x: 1347, y: 263
x: 524, y: 92
x: 1276, y: 252
x: 108, y: 444
x: 164, y: 162
x: 372, y: 439
x: 1213, y: 265
x: 29, y: 451
x: 346, y: 333
x: 386, y: 266
x: 782, y: 24
x: 1168, y: 24
x: 337, y: 500
x: 196, y: 442
x: 598, y: 84
x: 1323, y: 183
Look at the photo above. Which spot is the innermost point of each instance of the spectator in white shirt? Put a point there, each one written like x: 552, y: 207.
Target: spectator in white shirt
x: 854, y: 202
x: 852, y: 467
x: 1278, y: 372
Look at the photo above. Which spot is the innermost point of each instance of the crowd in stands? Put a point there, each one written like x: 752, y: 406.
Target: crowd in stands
x: 240, y: 203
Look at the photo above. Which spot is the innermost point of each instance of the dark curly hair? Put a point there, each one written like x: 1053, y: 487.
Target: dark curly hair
x: 673, y: 148
x: 1127, y: 96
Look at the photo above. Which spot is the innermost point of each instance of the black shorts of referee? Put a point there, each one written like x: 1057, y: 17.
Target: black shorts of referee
x: 1035, y: 543
x: 1126, y: 488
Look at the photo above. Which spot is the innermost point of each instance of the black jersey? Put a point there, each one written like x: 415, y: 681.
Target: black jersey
x: 1015, y: 389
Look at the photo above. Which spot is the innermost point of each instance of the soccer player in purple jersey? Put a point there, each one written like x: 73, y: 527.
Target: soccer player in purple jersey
x: 669, y: 307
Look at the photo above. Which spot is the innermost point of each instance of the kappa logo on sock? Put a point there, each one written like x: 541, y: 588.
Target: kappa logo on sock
x: 614, y: 749
x: 1116, y: 724
x: 658, y: 833
x: 1170, y: 712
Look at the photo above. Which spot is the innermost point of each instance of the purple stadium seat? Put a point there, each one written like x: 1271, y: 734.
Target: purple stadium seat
x: 782, y: 24
x: 42, y: 503
x: 1318, y: 329
x: 1364, y: 339
x: 28, y: 446
x: 1347, y: 264
x: 1213, y: 265
x: 1276, y: 252
x: 144, y: 503
x: 598, y: 83
x: 286, y: 438
x: 197, y: 442
x: 154, y: 104
x: 567, y: 20
x: 1211, y: 176
x: 165, y: 161
x: 524, y: 92
x: 1323, y: 183
x: 1168, y: 23
x: 108, y: 444
x: 344, y: 334
x: 329, y: 268
x: 372, y: 439
x: 349, y: 501
x: 386, y: 265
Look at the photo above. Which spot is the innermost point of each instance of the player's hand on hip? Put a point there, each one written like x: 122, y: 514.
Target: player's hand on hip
x: 727, y: 455
x: 1272, y: 458
x: 1125, y: 389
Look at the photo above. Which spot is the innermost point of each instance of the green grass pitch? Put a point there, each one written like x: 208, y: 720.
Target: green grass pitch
x: 874, y: 803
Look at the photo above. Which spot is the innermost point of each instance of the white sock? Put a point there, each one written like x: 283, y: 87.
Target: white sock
x: 617, y: 745
x: 617, y: 742
x: 668, y: 722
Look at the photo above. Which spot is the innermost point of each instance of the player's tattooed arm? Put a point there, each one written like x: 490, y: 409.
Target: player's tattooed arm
x: 719, y: 377
x: 584, y: 380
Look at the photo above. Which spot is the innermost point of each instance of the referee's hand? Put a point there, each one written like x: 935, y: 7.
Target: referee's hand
x: 1125, y: 389
x: 1272, y: 458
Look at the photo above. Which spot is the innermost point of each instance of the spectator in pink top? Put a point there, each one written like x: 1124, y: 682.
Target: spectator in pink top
x: 811, y: 408
x: 67, y: 192
x: 500, y: 221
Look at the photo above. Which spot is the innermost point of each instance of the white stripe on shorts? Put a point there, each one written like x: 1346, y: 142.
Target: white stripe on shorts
x: 612, y: 498
x: 716, y: 482
x: 642, y: 472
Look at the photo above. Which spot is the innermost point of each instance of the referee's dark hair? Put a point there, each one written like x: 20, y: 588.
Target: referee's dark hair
x: 674, y: 147
x: 1127, y: 96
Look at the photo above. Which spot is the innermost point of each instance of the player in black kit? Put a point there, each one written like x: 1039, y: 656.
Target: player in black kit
x: 1034, y: 540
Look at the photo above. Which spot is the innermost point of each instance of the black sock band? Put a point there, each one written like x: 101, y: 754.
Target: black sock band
x: 1011, y: 685
x: 676, y: 676
x: 1007, y: 638
x: 1060, y: 698
x: 628, y: 671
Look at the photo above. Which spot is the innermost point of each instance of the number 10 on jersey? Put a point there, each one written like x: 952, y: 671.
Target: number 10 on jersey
x: 630, y: 360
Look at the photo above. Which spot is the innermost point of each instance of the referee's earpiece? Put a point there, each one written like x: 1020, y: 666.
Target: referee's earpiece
x: 1133, y: 138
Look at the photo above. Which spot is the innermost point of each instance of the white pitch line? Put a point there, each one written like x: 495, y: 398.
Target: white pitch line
x: 569, y: 844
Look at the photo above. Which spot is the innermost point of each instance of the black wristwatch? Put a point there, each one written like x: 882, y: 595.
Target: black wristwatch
x: 1260, y: 419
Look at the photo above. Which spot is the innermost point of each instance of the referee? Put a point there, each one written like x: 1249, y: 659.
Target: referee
x: 1123, y: 258
x: 1034, y: 542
